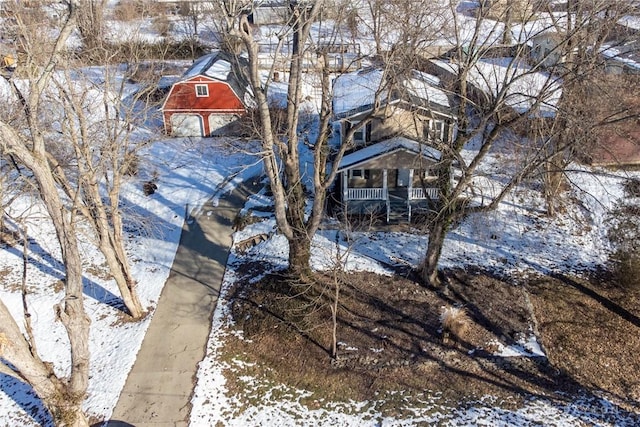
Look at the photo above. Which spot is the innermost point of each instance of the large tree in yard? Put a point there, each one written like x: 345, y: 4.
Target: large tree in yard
x: 87, y: 140
x: 62, y: 396
x: 501, y: 99
x: 299, y: 211
x: 281, y: 144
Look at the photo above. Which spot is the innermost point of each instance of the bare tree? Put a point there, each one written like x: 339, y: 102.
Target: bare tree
x: 102, y: 155
x: 492, y: 106
x: 91, y: 23
x: 487, y: 98
x: 281, y: 145
x: 281, y: 150
x: 63, y: 397
x: 585, y: 30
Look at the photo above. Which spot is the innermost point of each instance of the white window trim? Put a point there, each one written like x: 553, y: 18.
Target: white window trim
x: 431, y: 129
x: 360, y: 136
x: 206, y: 91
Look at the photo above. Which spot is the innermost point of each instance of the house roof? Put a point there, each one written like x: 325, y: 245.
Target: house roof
x: 356, y: 92
x: 218, y: 66
x: 630, y: 21
x: 385, y: 147
x: 512, y: 79
x: 627, y: 54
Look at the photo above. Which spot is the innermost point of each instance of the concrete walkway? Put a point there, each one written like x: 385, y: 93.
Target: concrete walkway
x: 160, y: 385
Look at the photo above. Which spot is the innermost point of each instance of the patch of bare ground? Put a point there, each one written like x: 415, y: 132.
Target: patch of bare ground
x: 390, y: 338
x: 591, y: 331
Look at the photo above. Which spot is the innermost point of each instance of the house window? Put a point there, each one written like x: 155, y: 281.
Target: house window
x: 362, y: 135
x: 429, y: 175
x: 359, y: 173
x: 435, y: 130
x: 202, y: 90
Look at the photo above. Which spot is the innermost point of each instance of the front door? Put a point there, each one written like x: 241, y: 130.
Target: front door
x: 403, y: 178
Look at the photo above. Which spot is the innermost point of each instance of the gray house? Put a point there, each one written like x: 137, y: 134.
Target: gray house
x: 393, y: 167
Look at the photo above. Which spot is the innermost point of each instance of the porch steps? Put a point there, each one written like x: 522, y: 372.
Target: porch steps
x: 398, y: 213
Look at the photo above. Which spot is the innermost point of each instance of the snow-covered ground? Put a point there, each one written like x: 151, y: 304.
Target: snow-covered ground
x: 517, y: 237
x: 191, y: 172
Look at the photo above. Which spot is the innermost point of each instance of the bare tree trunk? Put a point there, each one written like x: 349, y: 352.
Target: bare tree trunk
x: 65, y: 409
x: 286, y: 185
x: 105, y: 219
x: 71, y: 311
x: 91, y: 24
x: 553, y: 180
x: 299, y: 257
x: 63, y: 397
x: 123, y: 262
x: 429, y: 267
x: 334, y: 316
x: 113, y: 251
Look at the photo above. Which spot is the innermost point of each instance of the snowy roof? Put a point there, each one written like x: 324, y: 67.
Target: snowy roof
x: 547, y: 24
x: 5, y: 90
x: 630, y: 21
x: 521, y: 88
x: 384, y: 147
x: 626, y: 54
x: 217, y: 65
x: 426, y: 86
x: 356, y: 92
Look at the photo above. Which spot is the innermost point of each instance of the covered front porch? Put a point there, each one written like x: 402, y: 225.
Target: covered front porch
x: 396, y: 193
x: 392, y: 177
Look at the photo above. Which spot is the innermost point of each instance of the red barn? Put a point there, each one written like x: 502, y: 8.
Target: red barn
x: 208, y: 100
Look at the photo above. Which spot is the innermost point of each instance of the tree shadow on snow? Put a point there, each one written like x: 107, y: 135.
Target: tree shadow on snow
x: 25, y: 397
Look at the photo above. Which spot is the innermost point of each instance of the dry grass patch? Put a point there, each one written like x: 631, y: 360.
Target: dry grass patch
x: 591, y: 331
x: 390, y: 335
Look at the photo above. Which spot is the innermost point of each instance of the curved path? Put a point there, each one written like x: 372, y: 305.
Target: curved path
x: 160, y: 385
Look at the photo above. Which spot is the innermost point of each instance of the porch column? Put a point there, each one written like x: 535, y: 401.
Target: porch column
x: 345, y: 186
x: 410, y: 185
x: 385, y: 192
x: 384, y: 182
x: 409, y: 188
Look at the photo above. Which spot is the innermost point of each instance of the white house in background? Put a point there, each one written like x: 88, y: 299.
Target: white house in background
x: 270, y: 13
x: 393, y: 166
x: 546, y: 50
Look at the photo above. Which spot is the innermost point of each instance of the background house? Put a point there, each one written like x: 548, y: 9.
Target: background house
x: 414, y: 106
x: 270, y: 13
x: 208, y: 100
x: 546, y: 49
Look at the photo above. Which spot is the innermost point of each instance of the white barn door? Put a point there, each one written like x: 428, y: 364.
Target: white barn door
x: 186, y: 125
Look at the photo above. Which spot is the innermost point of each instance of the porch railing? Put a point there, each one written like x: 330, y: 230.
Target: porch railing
x: 366, y: 194
x: 420, y: 194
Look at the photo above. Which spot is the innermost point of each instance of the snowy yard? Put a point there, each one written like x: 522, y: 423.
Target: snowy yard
x: 517, y: 242
x: 515, y: 238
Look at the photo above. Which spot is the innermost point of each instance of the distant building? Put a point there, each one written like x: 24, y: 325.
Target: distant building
x: 209, y: 99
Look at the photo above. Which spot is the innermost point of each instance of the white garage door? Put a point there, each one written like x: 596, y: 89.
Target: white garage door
x: 186, y: 125
x: 218, y: 123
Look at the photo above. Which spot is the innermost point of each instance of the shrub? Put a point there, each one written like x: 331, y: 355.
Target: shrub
x: 454, y: 322
x: 149, y: 188
x: 127, y: 11
x: 162, y: 25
